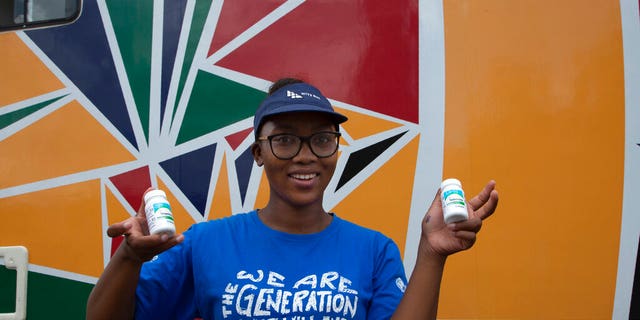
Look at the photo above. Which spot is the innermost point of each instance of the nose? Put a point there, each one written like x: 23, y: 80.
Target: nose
x: 305, y: 153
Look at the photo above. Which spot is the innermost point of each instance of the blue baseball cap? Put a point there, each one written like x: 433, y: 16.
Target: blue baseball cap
x: 296, y: 97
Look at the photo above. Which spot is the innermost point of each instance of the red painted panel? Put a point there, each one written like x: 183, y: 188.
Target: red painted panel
x: 236, y: 139
x: 238, y: 15
x: 132, y: 185
x: 361, y: 52
x: 115, y: 243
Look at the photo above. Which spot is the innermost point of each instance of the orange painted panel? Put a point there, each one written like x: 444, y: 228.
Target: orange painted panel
x: 115, y: 211
x: 220, y: 204
x: 535, y: 100
x: 361, y: 125
x: 23, y: 74
x: 61, y: 227
x: 385, y: 212
x: 264, y: 192
x: 69, y: 140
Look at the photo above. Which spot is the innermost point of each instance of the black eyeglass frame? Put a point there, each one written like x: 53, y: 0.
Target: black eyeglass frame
x: 303, y: 139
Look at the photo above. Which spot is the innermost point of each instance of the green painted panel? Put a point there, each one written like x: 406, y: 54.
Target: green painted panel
x: 133, y: 24
x: 215, y: 103
x: 7, y: 290
x: 197, y: 25
x: 11, y: 117
x: 48, y: 297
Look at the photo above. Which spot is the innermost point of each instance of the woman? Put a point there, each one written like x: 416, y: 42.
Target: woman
x: 290, y: 259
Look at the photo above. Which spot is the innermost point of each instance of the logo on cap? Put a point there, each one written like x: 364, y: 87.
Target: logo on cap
x: 293, y: 95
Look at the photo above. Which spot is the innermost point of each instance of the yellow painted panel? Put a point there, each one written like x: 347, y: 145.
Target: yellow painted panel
x: 388, y: 210
x: 534, y: 99
x: 61, y: 227
x: 67, y: 141
x: 221, y: 203
x: 115, y: 211
x: 181, y: 217
x: 361, y: 125
x: 23, y: 74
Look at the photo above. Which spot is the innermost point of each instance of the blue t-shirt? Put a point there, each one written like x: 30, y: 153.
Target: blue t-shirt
x: 238, y: 268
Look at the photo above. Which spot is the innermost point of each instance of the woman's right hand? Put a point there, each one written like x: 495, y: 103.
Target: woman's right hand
x: 138, y: 244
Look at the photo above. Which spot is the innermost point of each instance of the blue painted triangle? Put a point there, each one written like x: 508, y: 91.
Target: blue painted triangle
x: 244, y: 165
x: 173, y: 17
x: 81, y: 51
x: 191, y: 172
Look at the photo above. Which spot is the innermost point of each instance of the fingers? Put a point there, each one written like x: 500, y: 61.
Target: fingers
x: 483, y: 196
x: 489, y: 207
x: 473, y: 225
x: 155, y: 242
x: 467, y: 237
x: 119, y: 229
x: 134, y: 225
x: 436, y: 206
x: 466, y: 231
x: 141, y: 248
x: 485, y: 203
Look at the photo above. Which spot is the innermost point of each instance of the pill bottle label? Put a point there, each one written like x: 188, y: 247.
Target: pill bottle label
x: 158, y: 211
x: 454, y: 205
x: 454, y: 198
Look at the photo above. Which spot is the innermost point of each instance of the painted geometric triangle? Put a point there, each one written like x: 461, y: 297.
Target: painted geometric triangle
x: 191, y: 172
x: 75, y: 49
x: 132, y: 185
x: 634, y: 312
x: 235, y: 139
x: 210, y: 109
x: 237, y: 16
x: 336, y: 47
x: 116, y: 213
x: 11, y: 117
x: 133, y: 32
x: 244, y: 166
x: 196, y: 28
x: 359, y: 160
x: 173, y: 16
x: 362, y: 125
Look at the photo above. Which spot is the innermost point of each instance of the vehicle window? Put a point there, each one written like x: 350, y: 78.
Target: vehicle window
x: 26, y: 14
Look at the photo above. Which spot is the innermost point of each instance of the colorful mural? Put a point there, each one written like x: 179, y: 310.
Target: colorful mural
x: 162, y: 93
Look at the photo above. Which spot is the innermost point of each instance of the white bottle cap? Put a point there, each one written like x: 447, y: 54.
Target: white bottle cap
x: 450, y: 181
x: 154, y: 193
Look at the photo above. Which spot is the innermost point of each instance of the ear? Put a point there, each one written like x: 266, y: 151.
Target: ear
x: 256, y: 150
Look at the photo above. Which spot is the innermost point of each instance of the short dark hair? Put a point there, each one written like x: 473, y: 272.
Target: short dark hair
x: 283, y: 82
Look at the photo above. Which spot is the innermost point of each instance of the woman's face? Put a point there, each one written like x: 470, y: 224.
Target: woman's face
x: 299, y: 181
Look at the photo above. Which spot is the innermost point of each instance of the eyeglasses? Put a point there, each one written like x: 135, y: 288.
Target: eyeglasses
x: 285, y: 146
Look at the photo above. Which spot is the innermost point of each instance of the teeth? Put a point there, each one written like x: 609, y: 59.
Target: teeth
x: 303, y: 176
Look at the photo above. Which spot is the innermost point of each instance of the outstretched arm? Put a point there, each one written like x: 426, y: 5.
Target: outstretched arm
x: 113, y: 296
x: 437, y: 242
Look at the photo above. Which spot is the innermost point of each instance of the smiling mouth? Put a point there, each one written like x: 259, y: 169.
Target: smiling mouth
x: 304, y: 176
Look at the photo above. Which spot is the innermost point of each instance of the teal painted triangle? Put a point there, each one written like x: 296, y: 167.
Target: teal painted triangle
x: 11, y: 117
x: 215, y: 103
x: 133, y: 24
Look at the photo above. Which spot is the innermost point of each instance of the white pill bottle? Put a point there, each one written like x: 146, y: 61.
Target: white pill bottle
x: 454, y: 205
x: 158, y: 211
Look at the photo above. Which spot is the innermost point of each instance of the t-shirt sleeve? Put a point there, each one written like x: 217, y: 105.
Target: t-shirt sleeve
x: 389, y: 281
x: 165, y: 287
